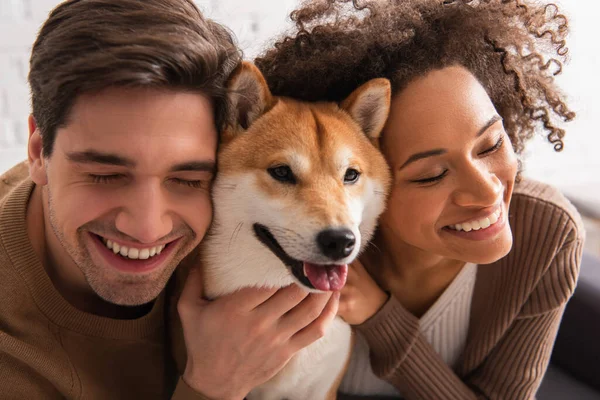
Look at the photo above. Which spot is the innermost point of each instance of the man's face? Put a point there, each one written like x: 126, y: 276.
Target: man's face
x: 128, y: 188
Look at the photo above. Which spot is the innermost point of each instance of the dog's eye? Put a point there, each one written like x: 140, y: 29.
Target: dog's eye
x: 351, y: 176
x: 282, y: 173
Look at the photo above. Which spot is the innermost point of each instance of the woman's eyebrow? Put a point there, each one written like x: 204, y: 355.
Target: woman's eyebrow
x: 438, y: 152
x: 424, y: 154
x: 488, y: 124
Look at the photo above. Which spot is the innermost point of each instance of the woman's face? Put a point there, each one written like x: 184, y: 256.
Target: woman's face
x: 454, y: 169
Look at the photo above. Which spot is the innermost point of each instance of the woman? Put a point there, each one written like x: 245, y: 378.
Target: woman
x: 462, y: 292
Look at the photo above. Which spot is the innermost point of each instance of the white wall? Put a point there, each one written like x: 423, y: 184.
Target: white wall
x: 253, y: 21
x: 576, y: 169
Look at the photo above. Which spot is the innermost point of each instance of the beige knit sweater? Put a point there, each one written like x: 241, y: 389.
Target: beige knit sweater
x: 51, y: 350
x: 445, y: 327
x: 517, y: 306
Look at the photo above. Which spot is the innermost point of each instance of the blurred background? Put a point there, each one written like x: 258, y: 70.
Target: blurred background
x: 256, y: 23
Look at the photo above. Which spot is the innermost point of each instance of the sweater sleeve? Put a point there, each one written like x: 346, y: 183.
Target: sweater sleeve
x: 512, y: 370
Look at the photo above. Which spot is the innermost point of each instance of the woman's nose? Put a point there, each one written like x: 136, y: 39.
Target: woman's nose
x: 479, y: 188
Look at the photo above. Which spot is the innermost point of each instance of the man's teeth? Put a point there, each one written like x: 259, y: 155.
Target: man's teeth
x: 478, y: 224
x: 131, y: 252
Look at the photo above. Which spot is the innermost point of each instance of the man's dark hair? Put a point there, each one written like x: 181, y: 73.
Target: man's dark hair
x: 86, y: 46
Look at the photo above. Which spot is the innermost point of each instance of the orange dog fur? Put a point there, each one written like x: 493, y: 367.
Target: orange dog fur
x: 297, y: 196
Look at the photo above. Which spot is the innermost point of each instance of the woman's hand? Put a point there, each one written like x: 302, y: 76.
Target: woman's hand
x: 361, y: 297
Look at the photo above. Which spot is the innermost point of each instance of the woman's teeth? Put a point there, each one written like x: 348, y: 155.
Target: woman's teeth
x: 478, y: 224
x: 131, y: 252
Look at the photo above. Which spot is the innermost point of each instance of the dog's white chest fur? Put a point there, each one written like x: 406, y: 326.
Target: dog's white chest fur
x: 312, y: 372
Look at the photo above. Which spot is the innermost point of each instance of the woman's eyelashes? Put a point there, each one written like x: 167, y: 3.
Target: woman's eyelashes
x: 431, y: 179
x: 494, y: 148
x: 424, y: 181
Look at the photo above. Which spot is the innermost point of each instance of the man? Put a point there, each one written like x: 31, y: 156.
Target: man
x: 127, y: 102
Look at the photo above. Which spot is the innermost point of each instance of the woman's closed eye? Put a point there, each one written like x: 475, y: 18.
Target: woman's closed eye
x: 431, y: 179
x: 494, y: 148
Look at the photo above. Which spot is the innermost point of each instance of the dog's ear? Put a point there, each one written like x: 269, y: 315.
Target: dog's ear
x: 369, y: 106
x: 249, y: 96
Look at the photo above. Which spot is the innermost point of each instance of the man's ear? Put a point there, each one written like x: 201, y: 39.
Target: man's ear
x: 369, y: 106
x: 249, y: 96
x: 37, y: 164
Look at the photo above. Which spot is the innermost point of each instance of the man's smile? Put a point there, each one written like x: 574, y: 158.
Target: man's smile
x: 134, y: 253
x: 134, y: 259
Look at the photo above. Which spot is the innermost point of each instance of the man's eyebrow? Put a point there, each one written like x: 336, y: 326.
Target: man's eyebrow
x: 96, y: 157
x: 195, y: 166
x: 438, y: 152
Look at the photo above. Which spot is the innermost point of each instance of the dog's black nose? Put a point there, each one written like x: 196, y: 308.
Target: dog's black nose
x: 336, y: 243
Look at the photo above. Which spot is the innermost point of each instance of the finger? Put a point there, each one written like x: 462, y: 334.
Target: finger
x: 354, y: 272
x: 249, y: 298
x: 191, y: 296
x: 318, y: 327
x: 283, y: 301
x: 348, y: 292
x: 304, y: 313
x: 357, y: 265
x: 193, y: 286
x: 343, y: 309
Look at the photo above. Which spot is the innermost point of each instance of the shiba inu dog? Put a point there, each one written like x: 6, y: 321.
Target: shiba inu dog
x: 297, y: 196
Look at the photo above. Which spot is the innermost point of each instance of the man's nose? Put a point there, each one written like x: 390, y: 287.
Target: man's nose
x: 145, y: 217
x: 479, y: 187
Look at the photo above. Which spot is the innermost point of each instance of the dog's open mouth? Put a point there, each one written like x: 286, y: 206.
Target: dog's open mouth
x: 321, y: 277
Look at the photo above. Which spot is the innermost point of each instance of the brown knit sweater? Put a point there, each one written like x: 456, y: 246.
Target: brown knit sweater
x: 517, y: 306
x: 49, y: 349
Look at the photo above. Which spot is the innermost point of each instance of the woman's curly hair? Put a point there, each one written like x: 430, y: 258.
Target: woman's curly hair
x: 513, y: 47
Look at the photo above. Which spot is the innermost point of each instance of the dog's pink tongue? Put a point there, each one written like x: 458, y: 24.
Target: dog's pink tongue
x: 326, y: 277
